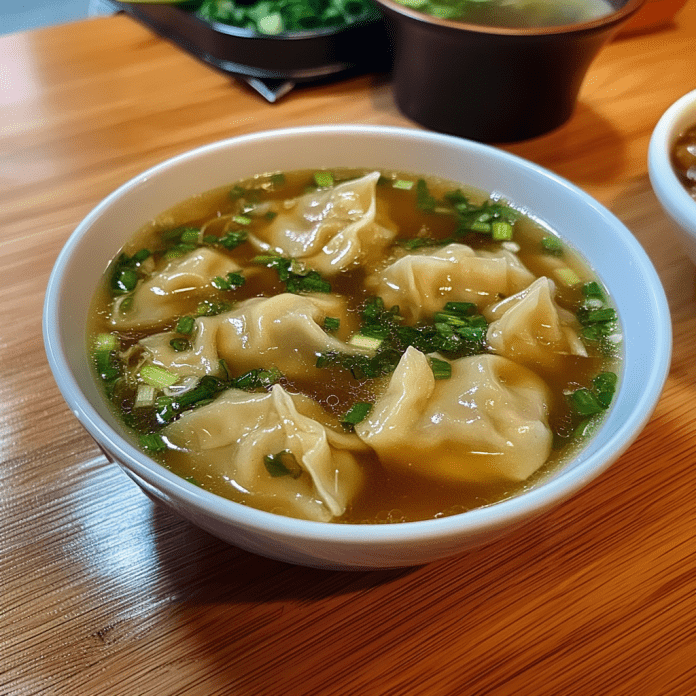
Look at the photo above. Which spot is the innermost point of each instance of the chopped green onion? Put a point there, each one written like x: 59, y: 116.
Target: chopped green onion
x: 593, y: 290
x: 367, y: 342
x: 480, y: 226
x: 501, y: 230
x: 230, y: 282
x: 179, y: 345
x: 106, y: 341
x: 270, y: 24
x: 190, y: 236
x: 402, y: 184
x: 331, y: 324
x: 185, y: 325
x: 441, y: 368
x: 567, y: 276
x: 107, y: 365
x: 153, y: 442
x: 323, y: 179
x: 424, y: 200
x: 209, y: 308
x: 126, y: 280
x: 242, y: 220
x: 233, y: 239
x: 357, y: 413
x: 552, y: 245
x: 604, y: 386
x: 585, y: 403
x: 282, y: 464
x: 596, y: 316
x: 258, y: 379
x: 157, y: 376
x: 145, y: 396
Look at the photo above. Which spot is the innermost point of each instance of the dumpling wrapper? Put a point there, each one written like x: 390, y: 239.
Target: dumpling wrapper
x: 532, y: 329
x: 421, y: 283
x: 329, y: 229
x: 156, y: 299
x: 284, y: 331
x: 232, y: 435
x: 488, y: 422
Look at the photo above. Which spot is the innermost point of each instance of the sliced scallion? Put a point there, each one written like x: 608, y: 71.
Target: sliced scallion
x: 323, y: 179
x: 567, y: 276
x: 157, y: 376
x: 356, y: 413
x: 441, y: 368
x: 106, y: 341
x: 282, y: 464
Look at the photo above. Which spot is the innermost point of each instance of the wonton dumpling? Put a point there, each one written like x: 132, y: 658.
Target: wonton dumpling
x: 421, y: 283
x: 156, y: 299
x: 232, y: 435
x: 530, y: 328
x: 488, y: 422
x: 329, y: 229
x: 284, y: 331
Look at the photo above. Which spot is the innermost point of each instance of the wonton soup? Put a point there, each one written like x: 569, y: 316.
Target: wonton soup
x: 355, y: 346
x: 515, y: 14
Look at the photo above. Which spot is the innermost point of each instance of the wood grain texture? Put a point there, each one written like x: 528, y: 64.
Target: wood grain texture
x: 105, y: 593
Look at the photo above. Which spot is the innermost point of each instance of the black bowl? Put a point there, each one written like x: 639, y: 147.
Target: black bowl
x: 298, y: 56
x: 488, y: 83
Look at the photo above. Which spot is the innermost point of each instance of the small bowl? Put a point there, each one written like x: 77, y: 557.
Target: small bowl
x: 492, y: 84
x: 599, y: 236
x: 670, y: 191
x: 296, y: 56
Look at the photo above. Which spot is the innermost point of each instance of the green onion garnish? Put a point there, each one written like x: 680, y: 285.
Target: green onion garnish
x: 567, y: 276
x: 584, y: 402
x: 331, y: 324
x: 153, y: 442
x: 501, y: 230
x: 106, y: 341
x: 282, y: 464
x: 402, y: 184
x: 157, y: 376
x: 552, y: 245
x: 323, y: 179
x: 441, y: 368
x: 357, y: 413
x: 185, y: 325
x: 145, y: 396
x: 179, y: 345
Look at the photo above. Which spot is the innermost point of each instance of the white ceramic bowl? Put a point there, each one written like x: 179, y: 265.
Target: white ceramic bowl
x: 595, y: 232
x: 673, y: 197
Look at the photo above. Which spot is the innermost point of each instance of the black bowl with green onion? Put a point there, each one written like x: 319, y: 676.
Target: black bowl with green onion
x: 298, y: 40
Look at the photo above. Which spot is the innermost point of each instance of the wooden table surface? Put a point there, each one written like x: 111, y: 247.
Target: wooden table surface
x: 102, y: 592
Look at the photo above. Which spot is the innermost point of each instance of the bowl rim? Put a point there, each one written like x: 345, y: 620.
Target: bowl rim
x: 667, y: 186
x: 613, y: 18
x: 479, y: 520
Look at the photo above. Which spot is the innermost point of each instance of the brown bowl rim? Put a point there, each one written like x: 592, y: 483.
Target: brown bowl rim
x: 615, y: 18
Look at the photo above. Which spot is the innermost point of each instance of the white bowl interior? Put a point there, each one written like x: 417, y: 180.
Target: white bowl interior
x: 678, y: 204
x: 606, y: 244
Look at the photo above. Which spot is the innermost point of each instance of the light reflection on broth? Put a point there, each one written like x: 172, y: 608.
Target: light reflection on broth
x: 383, y: 493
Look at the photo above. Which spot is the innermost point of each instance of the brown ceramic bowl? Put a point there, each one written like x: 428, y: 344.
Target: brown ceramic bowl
x: 493, y: 84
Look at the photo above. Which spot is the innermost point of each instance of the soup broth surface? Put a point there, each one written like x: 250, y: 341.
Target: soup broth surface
x: 423, y: 216
x: 514, y: 13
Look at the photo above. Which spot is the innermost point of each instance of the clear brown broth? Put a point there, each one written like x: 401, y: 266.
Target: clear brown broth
x: 385, y: 498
